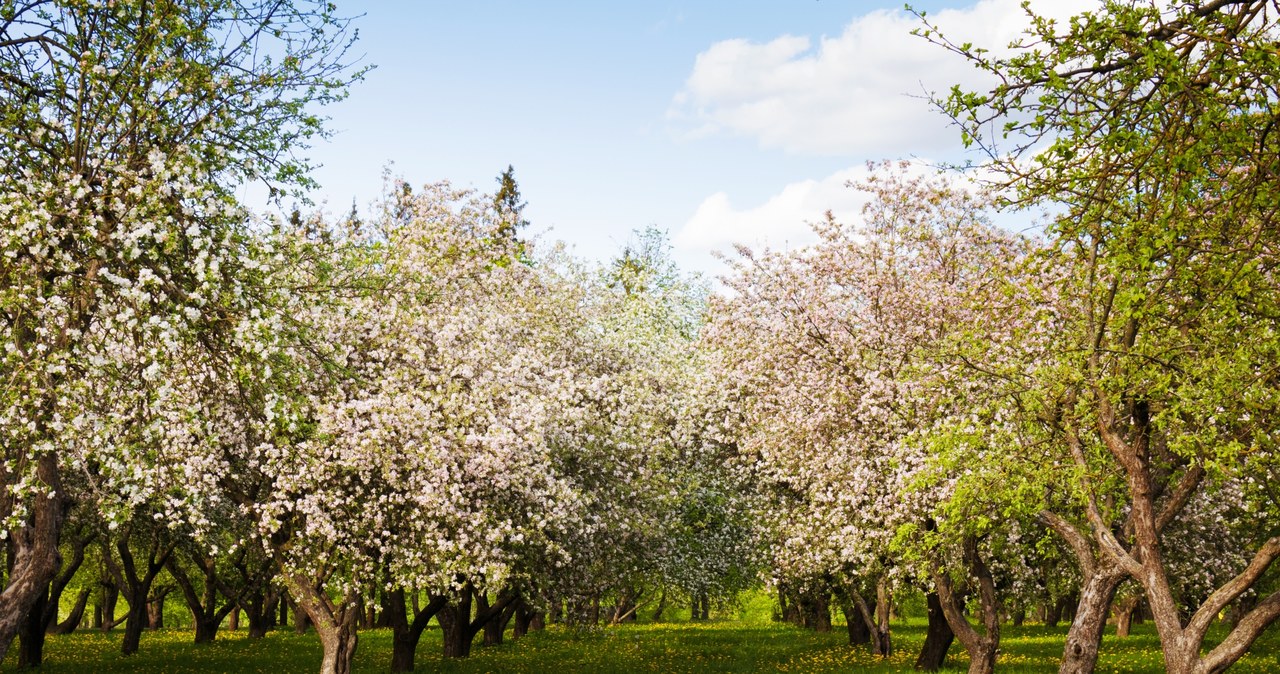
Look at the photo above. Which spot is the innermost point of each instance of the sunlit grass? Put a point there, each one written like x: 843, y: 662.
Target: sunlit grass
x: 746, y: 643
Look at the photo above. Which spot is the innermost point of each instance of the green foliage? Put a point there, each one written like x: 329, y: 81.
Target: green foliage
x: 236, y: 82
x: 506, y: 201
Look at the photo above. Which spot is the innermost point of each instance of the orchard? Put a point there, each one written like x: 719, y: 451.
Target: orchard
x: 420, y: 416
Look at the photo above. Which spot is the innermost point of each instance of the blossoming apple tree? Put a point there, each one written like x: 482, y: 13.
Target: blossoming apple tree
x: 124, y: 127
x: 837, y: 352
x: 1150, y: 127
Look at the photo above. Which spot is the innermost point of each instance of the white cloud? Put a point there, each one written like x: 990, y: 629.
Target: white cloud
x: 858, y: 94
x: 781, y: 220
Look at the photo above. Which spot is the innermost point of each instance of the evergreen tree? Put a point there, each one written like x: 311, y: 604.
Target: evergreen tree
x: 508, y: 204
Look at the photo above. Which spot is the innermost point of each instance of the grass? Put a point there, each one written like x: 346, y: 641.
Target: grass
x: 745, y: 642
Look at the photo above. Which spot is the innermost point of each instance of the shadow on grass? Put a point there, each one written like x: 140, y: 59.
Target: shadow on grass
x: 697, y: 648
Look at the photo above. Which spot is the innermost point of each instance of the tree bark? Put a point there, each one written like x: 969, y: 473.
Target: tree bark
x: 1080, y: 651
x: 31, y: 640
x: 884, y: 608
x: 405, y: 634
x: 79, y: 542
x: 815, y: 609
x: 482, y: 606
x: 1181, y: 643
x: 137, y: 587
x: 856, y: 626
x: 459, y: 628
x: 155, y: 607
x: 662, y: 606
x: 523, y: 619
x: 110, y: 599
x: 876, y: 619
x: 497, y: 626
x: 77, y: 614
x: 1124, y: 615
x: 35, y: 558
x: 301, y: 620
x: 1053, y: 613
x: 981, y: 646
x: 1102, y: 576
x: 335, y: 623
x: 624, y: 609
x: 454, y: 619
x: 206, y: 616
x: 253, y: 595
x: 260, y: 609
x: 555, y: 610
x: 134, y: 623
x: 937, y: 638
x: 787, y: 609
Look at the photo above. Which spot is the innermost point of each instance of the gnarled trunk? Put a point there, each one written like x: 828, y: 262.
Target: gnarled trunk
x: 523, y: 619
x: 497, y: 626
x: 35, y: 557
x: 1124, y: 615
x: 789, y: 606
x: 155, y: 607
x: 134, y: 623
x: 260, y: 609
x: 937, y: 638
x: 661, y: 607
x: 206, y: 615
x: 405, y: 634
x: 77, y: 614
x: 856, y: 626
x: 136, y: 587
x: 1052, y: 613
x: 31, y: 639
x: 1102, y: 576
x: 876, y: 618
x: 1151, y: 511
x: 301, y: 621
x: 981, y: 646
x: 1080, y: 651
x: 624, y: 610
x: 334, y: 622
x: 455, y: 618
x: 105, y: 613
x: 339, y: 648
x: 815, y: 609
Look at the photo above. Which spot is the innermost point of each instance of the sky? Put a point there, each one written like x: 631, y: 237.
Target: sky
x: 720, y: 122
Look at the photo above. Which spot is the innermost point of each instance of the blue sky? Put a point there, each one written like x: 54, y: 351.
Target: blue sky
x: 718, y: 121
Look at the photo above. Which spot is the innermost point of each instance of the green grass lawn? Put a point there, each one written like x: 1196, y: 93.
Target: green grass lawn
x: 740, y: 643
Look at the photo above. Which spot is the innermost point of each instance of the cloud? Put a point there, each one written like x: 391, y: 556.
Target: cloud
x: 781, y: 220
x: 859, y: 94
